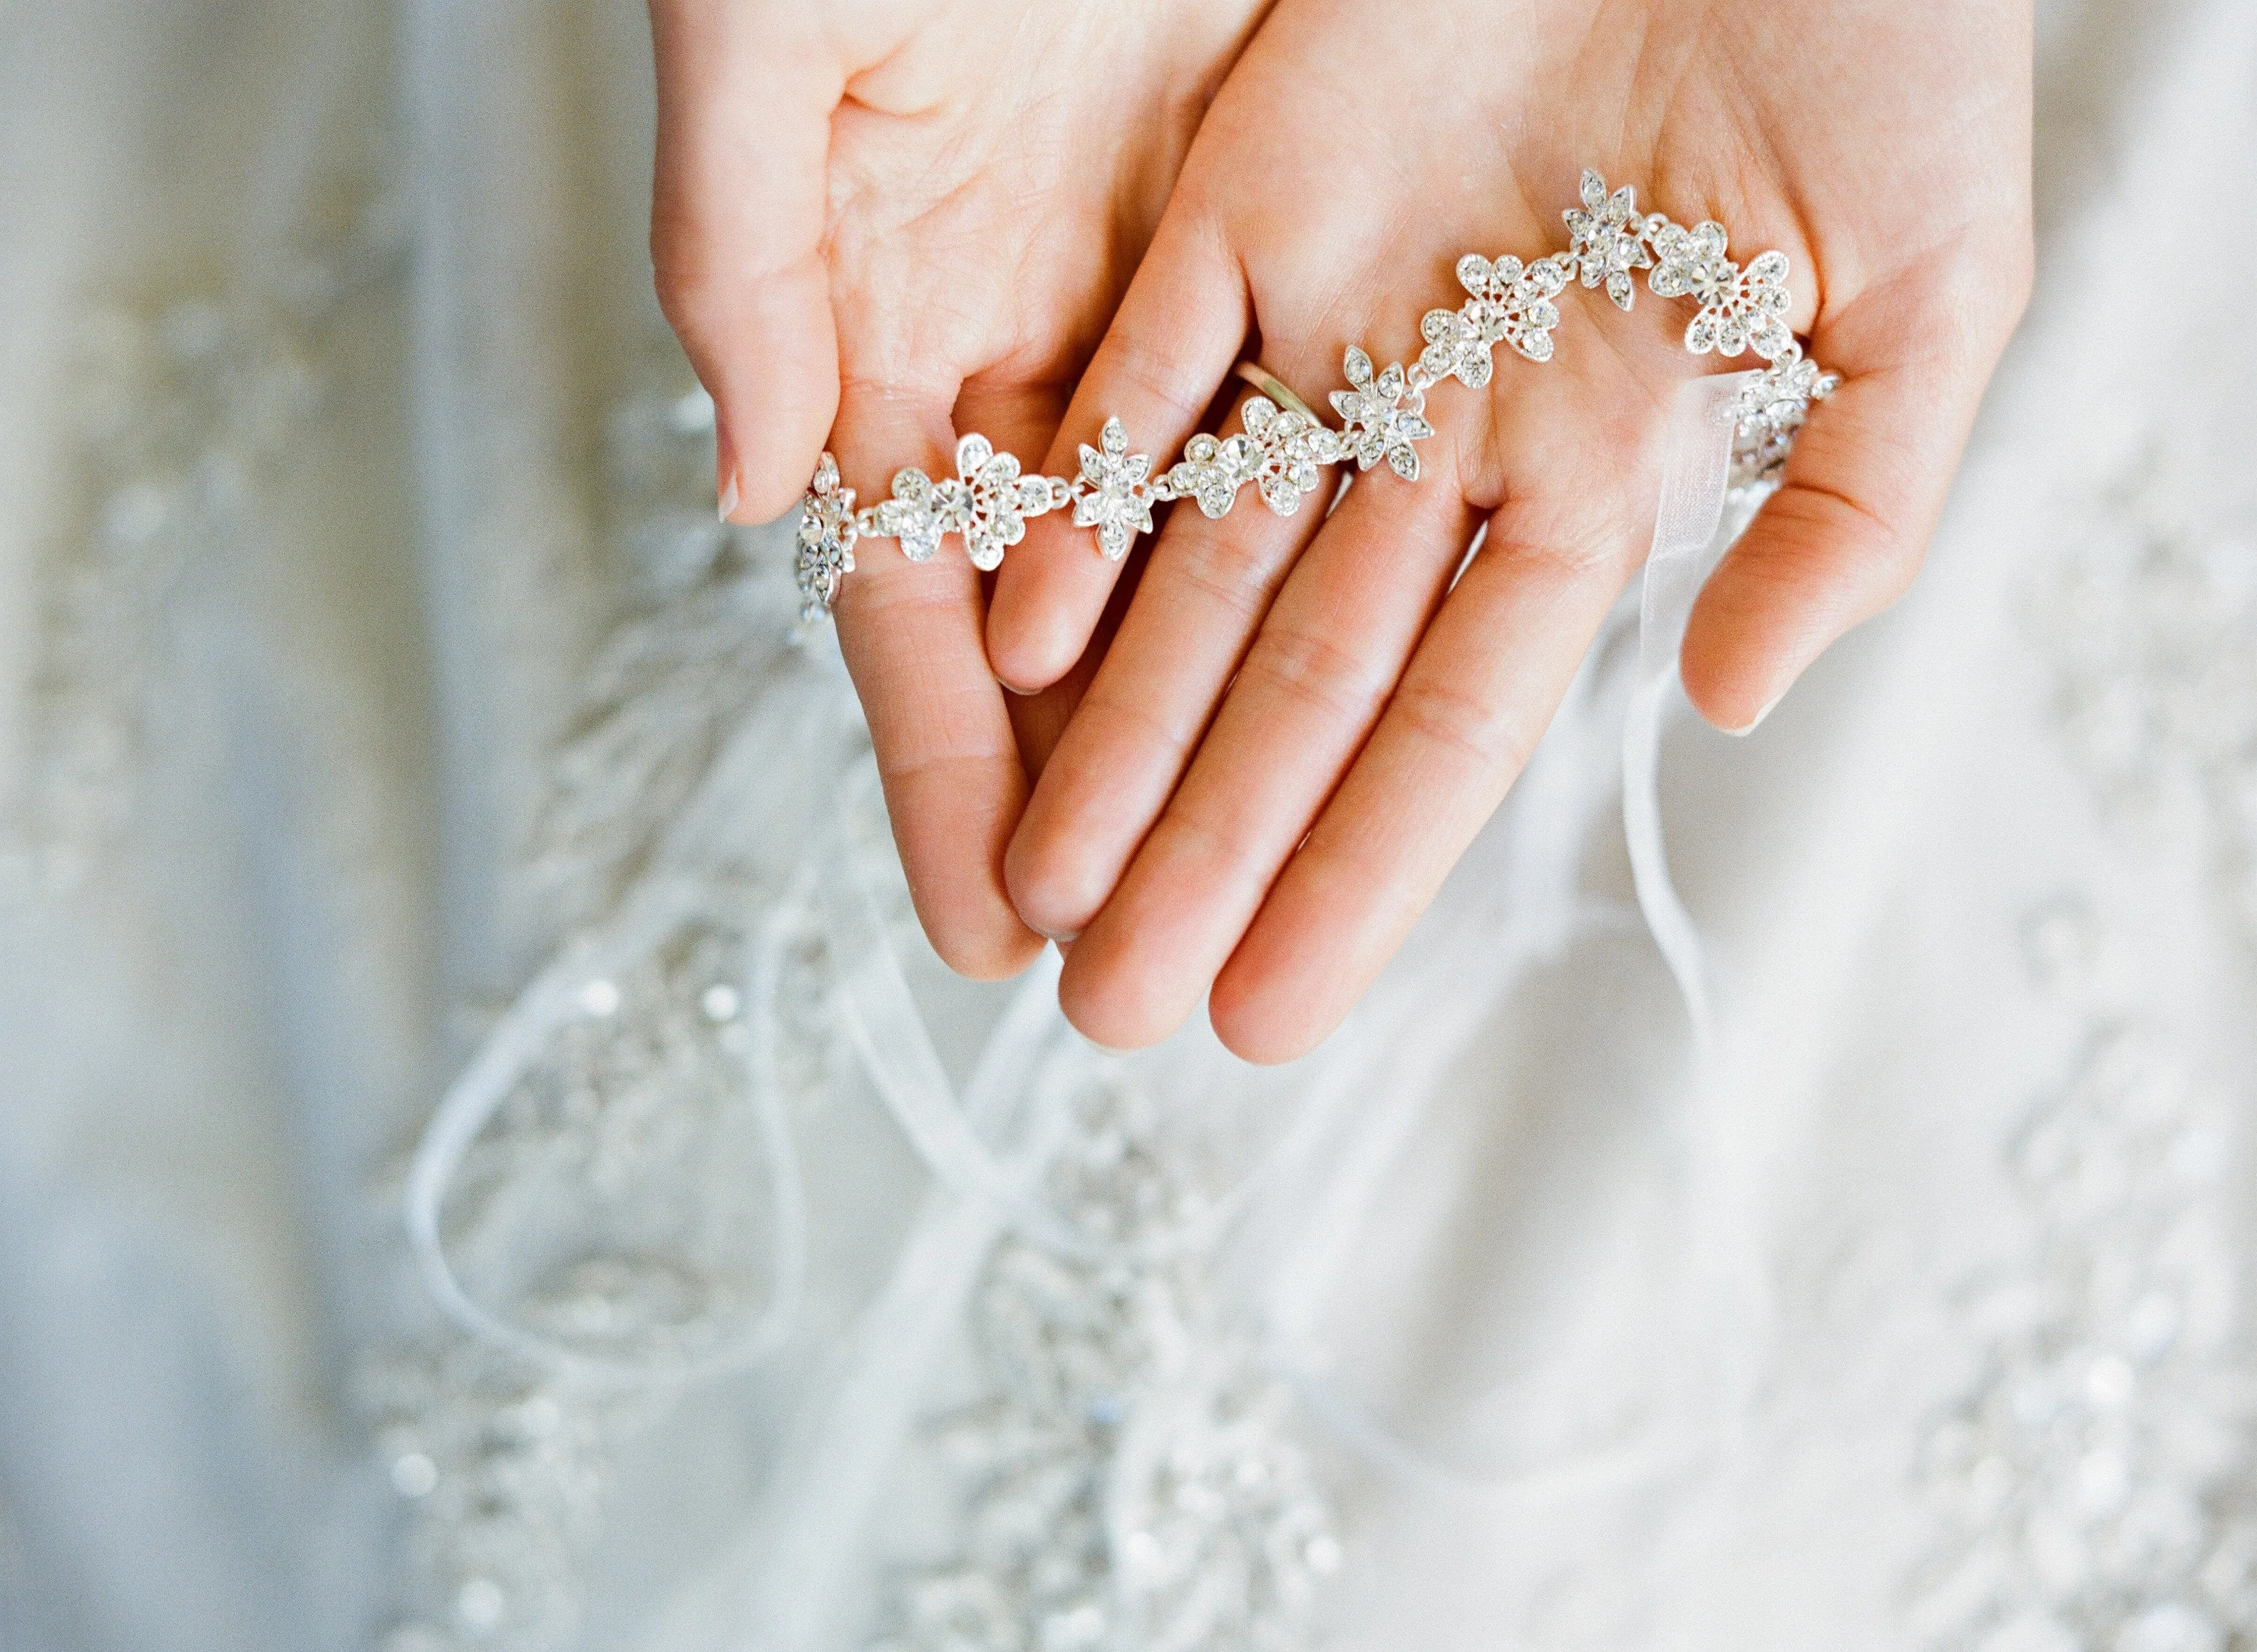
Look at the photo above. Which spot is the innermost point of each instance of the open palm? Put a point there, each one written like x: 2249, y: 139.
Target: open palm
x: 879, y: 224
x: 1302, y: 723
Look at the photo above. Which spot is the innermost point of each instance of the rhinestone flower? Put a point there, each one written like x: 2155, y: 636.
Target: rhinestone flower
x: 920, y: 513
x: 999, y: 500
x: 1289, y: 446
x: 1691, y: 262
x: 827, y: 532
x: 1781, y: 394
x: 1113, y: 495
x: 1508, y: 303
x: 1606, y: 237
x: 1770, y: 409
x: 1213, y: 470
x: 1738, y: 308
x: 1381, y: 416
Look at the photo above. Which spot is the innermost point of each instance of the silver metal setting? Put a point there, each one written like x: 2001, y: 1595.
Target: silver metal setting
x: 828, y: 529
x: 1284, y: 443
x: 1606, y: 239
x: 1381, y: 415
x: 1507, y: 304
x: 1741, y: 308
x: 1212, y: 472
x: 1114, y: 494
x: 1290, y: 444
x: 920, y: 513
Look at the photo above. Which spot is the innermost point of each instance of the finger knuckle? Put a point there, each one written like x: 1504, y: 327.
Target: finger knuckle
x: 1335, y: 681
x: 1153, y: 372
x: 681, y: 266
x: 1220, y: 567
x: 1466, y: 728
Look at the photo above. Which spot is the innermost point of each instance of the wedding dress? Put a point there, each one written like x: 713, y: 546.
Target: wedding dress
x: 487, y: 1160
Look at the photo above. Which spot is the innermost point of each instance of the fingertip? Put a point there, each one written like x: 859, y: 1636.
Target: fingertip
x: 1100, y: 1013
x: 786, y: 337
x: 1813, y: 566
x: 950, y: 820
x: 1034, y: 637
x: 1730, y: 687
x: 1256, y: 1031
x: 972, y: 925
x: 1043, y: 879
x: 998, y: 953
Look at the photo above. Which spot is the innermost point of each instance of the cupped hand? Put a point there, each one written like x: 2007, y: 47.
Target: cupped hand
x: 1304, y: 719
x: 877, y: 224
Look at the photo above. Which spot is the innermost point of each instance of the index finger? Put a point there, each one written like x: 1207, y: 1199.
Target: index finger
x: 912, y: 636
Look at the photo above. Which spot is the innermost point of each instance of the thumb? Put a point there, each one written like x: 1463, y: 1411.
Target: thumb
x: 1847, y: 531
x: 736, y: 238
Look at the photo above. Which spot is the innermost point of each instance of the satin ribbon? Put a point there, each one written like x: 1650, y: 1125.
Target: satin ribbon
x: 1695, y: 468
x: 660, y: 909
x: 1689, y: 537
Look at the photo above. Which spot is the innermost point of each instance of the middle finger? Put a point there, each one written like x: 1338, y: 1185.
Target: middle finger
x: 1315, y: 680
x: 1204, y: 593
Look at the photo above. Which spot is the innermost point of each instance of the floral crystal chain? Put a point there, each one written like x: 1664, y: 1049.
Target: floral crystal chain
x: 1281, y: 449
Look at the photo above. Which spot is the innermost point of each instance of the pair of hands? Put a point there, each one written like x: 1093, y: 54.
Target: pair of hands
x: 1242, y: 770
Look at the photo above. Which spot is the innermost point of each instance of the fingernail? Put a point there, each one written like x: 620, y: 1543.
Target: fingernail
x: 724, y: 461
x: 1742, y: 734
x: 1024, y: 694
x: 1061, y: 941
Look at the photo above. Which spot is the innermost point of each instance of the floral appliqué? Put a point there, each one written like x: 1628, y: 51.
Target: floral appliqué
x: 1381, y: 416
x: 1607, y: 238
x: 1289, y: 447
x: 1738, y: 308
x: 1213, y: 469
x: 1509, y: 303
x: 997, y: 500
x: 1114, y: 495
x: 828, y: 528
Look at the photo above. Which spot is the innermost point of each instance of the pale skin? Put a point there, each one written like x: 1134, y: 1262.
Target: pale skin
x: 878, y: 223
x: 1301, y: 723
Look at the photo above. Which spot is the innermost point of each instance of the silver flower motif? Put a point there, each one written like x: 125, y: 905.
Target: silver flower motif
x: 999, y: 500
x: 1213, y: 470
x: 920, y: 513
x: 1738, y: 308
x: 1381, y: 416
x: 1113, y: 495
x: 1288, y: 447
x: 828, y: 528
x: 1781, y: 394
x: 1607, y: 238
x: 1508, y: 303
x: 1770, y: 409
x: 1690, y: 262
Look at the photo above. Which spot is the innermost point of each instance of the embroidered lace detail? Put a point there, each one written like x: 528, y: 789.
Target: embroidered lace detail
x: 502, y: 1473
x: 595, y: 1211
x: 1132, y: 1483
x: 2090, y: 1481
x: 677, y: 675
x: 617, y: 1202
x: 2151, y: 622
x: 190, y: 406
x: 185, y: 411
